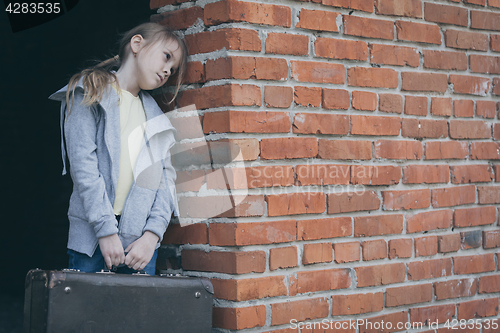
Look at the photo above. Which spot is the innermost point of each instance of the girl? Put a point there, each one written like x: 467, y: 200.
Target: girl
x: 117, y: 141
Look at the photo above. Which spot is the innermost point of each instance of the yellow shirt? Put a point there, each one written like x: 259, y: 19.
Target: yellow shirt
x: 132, y: 124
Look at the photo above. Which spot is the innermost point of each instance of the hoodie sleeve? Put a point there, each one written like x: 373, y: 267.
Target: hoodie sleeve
x: 80, y: 130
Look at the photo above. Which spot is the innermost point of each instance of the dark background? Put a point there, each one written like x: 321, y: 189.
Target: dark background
x: 35, y: 63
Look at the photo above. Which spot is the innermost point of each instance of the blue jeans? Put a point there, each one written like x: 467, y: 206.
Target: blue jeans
x: 95, y: 263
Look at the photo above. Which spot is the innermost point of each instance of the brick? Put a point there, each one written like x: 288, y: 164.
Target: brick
x: 484, y: 20
x: 449, y: 243
x: 372, y: 77
x: 426, y: 174
x: 400, y: 248
x: 394, y: 55
x: 345, y: 149
x: 485, y: 150
x: 484, y: 64
x: 225, y: 95
x: 466, y: 40
x: 190, y: 180
x: 341, y: 49
x: 486, y: 109
x: 190, y: 234
x: 248, y: 289
x: 220, y: 206
x: 278, y: 97
x: 375, y: 125
x: 453, y: 196
x: 335, y: 99
x: 246, y: 122
x: 463, y: 174
x: 470, y: 129
x: 408, y: 295
x: 471, y: 239
x: 347, y: 252
x: 398, y: 149
x: 497, y: 172
x: 282, y: 257
x: 316, y: 253
x: 407, y: 8
x: 239, y: 318
x: 301, y: 310
x: 320, y: 123
x: 231, y: 39
x: 429, y: 269
x: 373, y: 324
x: 495, y: 43
x: 406, y: 199
x: 239, y: 11
x: 287, y: 148
x: 278, y: 43
x: 378, y: 275
x: 319, y: 20
x: 463, y: 108
x: 378, y: 225
x: 260, y: 176
x: 489, y: 284
x: 390, y: 103
x: 488, y: 194
x: 438, y: 150
x: 374, y: 249
x: 153, y: 4
x: 496, y: 86
x: 254, y: 233
x: 364, y: 100
x: 307, y: 96
x: 445, y: 60
x: 432, y: 314
x: 455, y: 288
x: 352, y: 202
x: 324, y: 228
x: 426, y: 246
x: 247, y: 68
x: 446, y: 14
x: 195, y: 72
x: 375, y: 175
x: 318, y: 72
x: 426, y: 221
x: 476, y: 2
x: 494, y: 3
x: 368, y: 27
x: 363, y: 5
x: 424, y: 128
x: 491, y: 239
x: 477, y: 309
x: 328, y: 279
x: 357, y: 303
x: 415, y: 81
x: 471, y: 85
x: 474, y: 264
x: 441, y: 106
x: 224, y: 262
x: 418, y: 32
x: 295, y: 203
x: 322, y: 174
x: 179, y: 19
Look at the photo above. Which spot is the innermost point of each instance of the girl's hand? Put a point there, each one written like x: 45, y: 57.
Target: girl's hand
x: 141, y: 251
x: 112, y: 250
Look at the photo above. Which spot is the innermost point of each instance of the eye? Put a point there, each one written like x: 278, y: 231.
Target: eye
x: 168, y: 56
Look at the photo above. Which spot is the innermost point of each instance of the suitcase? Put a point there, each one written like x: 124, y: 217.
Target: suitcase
x: 71, y: 301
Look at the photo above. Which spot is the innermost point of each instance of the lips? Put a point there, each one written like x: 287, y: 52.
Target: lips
x: 161, y: 78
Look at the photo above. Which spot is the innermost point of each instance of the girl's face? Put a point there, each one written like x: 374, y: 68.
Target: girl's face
x: 156, y: 63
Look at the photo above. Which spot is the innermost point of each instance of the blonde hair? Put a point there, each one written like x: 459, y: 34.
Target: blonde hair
x: 96, y: 78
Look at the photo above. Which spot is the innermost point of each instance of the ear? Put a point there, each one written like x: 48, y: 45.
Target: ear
x: 136, y: 43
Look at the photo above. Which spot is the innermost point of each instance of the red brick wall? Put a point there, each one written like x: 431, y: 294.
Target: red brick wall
x: 369, y: 133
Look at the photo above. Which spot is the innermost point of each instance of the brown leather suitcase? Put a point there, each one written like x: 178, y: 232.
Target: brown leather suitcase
x: 70, y: 301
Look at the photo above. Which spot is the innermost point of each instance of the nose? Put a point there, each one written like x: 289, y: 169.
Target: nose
x: 168, y: 70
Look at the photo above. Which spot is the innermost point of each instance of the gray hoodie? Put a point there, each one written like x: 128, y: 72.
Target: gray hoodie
x: 90, y: 136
